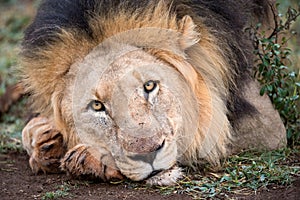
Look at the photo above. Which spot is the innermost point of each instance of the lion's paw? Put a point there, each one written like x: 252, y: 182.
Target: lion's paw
x: 82, y: 160
x: 166, y: 177
x: 44, y: 145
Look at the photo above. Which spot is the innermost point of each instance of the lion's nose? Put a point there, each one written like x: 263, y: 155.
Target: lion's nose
x: 148, y: 157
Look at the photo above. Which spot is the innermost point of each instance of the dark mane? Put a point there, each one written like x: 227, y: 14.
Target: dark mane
x: 54, y: 15
x: 226, y: 20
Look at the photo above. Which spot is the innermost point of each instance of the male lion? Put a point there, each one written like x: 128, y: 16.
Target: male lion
x: 137, y: 88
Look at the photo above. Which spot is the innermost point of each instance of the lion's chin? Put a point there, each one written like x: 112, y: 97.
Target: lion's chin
x: 156, y: 168
x: 157, y: 177
x: 166, y: 177
x: 144, y: 171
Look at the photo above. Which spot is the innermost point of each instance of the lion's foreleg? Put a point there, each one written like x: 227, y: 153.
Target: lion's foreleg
x: 44, y: 144
x: 49, y: 153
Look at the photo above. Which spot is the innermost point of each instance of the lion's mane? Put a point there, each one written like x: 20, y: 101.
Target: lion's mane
x: 64, y: 32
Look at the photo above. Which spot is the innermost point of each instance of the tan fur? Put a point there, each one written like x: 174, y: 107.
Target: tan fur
x: 52, y: 63
x: 193, y: 53
x: 44, y: 144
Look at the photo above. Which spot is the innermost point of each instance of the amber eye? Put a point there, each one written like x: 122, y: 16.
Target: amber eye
x: 96, y: 106
x: 149, y: 86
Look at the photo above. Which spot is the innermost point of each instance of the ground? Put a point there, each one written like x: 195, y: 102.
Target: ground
x: 18, y: 182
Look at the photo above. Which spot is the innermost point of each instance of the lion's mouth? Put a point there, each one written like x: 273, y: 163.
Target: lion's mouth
x: 154, y: 173
x: 149, y: 164
x: 161, y: 146
x: 148, y: 157
x: 165, y: 177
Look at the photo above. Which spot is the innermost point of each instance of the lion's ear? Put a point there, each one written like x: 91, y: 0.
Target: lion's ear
x: 189, y: 35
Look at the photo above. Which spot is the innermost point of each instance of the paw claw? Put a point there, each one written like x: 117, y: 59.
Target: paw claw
x: 80, y: 161
x: 44, y: 144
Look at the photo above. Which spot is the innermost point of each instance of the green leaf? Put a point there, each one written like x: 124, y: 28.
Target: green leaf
x: 283, y: 67
x: 292, y: 74
x: 225, y: 178
x: 269, y: 88
x: 294, y: 98
x: 262, y: 91
x: 262, y: 178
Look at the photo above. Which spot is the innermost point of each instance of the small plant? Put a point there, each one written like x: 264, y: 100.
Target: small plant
x: 279, y: 80
x: 62, y: 191
x: 242, y: 175
x: 13, y: 19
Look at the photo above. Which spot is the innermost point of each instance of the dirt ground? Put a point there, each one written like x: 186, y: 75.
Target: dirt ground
x: 18, y: 182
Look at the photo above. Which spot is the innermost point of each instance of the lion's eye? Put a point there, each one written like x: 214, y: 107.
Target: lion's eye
x: 96, y: 106
x: 149, y: 86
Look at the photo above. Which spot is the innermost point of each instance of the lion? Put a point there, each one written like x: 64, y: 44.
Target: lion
x: 138, y: 89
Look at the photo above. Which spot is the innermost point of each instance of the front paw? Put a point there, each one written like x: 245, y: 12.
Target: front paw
x: 44, y: 144
x: 83, y: 160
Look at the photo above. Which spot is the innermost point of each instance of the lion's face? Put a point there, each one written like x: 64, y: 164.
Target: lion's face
x: 134, y: 106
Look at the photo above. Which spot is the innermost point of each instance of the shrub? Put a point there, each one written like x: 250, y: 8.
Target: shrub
x: 274, y: 70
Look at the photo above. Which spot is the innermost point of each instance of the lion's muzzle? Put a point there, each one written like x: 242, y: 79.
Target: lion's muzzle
x: 142, y: 145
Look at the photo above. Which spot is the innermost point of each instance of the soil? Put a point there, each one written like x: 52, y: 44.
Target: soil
x: 18, y: 182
